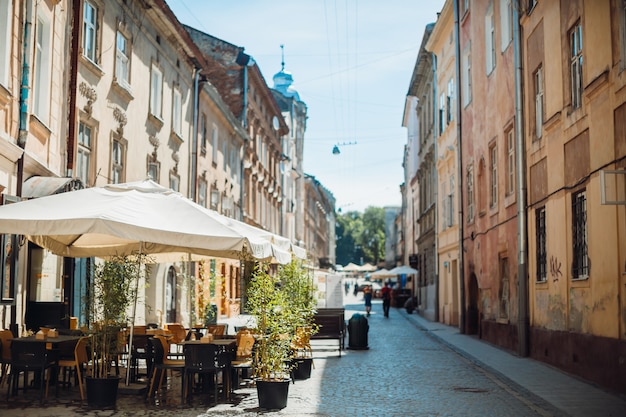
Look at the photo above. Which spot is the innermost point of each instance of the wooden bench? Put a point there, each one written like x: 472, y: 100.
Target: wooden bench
x: 331, y: 325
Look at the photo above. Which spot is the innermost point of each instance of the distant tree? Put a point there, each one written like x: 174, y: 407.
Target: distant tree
x: 360, y: 236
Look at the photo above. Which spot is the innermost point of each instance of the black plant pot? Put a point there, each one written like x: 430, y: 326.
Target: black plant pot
x: 301, y: 368
x: 102, y: 392
x: 272, y: 394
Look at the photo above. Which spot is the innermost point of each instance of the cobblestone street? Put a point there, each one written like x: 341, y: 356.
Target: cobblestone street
x: 405, y: 372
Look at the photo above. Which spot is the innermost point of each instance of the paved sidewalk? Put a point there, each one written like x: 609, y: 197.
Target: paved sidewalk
x: 565, y: 392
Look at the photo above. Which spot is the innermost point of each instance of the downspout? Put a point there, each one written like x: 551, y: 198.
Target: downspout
x: 436, y: 181
x: 71, y: 133
x: 522, y: 269
x: 21, y: 139
x: 459, y: 152
x: 244, y: 122
x: 194, y: 138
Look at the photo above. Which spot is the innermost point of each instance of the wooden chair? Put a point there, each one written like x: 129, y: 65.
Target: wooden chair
x: 179, y: 334
x: 243, y: 359
x: 159, y: 348
x: 301, y: 343
x: 5, y: 354
x: 81, y: 357
x: 217, y: 329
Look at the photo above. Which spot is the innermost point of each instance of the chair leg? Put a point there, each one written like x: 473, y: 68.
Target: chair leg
x: 150, y: 390
x: 80, y: 382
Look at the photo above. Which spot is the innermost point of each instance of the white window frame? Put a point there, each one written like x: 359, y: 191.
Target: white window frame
x: 493, y: 168
x: 490, y: 41
x: 156, y: 92
x: 203, y: 133
x: 43, y: 68
x: 538, y: 79
x: 576, y: 64
x: 85, y: 145
x: 467, y: 71
x: 215, y: 142
x: 450, y: 105
x: 153, y: 171
x: 122, y: 60
x: 506, y: 24
x: 450, y: 196
x: 90, y: 31
x: 174, y: 182
x: 510, y: 162
x: 177, y: 112
x: 202, y: 190
x: 442, y: 113
x: 6, y: 24
x: 117, y: 162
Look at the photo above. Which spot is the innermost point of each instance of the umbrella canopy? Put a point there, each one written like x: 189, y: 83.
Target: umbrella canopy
x: 121, y: 219
x: 403, y: 270
x: 382, y: 273
x: 368, y: 267
x: 352, y: 267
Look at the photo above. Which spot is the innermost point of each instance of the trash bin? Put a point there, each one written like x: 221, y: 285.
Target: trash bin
x: 357, y: 329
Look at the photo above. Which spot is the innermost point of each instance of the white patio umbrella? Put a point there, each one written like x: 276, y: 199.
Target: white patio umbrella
x: 403, y: 270
x: 382, y: 273
x: 123, y: 219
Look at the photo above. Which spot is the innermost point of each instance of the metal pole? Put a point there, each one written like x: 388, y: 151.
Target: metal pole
x: 132, y: 321
x: 522, y: 272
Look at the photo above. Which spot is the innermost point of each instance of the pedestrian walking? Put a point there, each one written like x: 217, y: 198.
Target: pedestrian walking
x: 367, y: 296
x: 386, y: 296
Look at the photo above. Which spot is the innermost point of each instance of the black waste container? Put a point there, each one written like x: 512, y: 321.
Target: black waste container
x: 357, y: 329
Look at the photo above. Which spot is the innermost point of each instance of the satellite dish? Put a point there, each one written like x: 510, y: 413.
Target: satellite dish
x: 275, y: 123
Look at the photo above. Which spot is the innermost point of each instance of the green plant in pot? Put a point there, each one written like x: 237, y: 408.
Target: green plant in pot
x: 299, y: 289
x: 112, y: 292
x: 266, y: 302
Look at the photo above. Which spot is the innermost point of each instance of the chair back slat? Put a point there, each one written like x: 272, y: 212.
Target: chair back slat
x: 201, y: 357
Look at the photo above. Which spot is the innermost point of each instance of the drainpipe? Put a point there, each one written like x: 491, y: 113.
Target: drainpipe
x: 459, y: 152
x: 522, y: 268
x: 194, y: 139
x: 436, y: 181
x: 72, y: 113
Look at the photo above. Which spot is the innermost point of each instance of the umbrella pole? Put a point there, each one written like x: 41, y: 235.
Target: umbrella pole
x: 132, y: 323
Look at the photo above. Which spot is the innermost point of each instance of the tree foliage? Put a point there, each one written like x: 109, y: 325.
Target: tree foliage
x: 361, y: 235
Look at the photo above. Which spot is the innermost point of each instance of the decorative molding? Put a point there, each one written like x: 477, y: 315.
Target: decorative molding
x: 90, y: 94
x: 120, y: 116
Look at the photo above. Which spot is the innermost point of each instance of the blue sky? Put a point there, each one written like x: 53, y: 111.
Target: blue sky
x: 351, y: 63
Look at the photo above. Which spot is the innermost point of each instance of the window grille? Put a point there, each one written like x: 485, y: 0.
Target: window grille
x: 580, y: 263
x: 541, y: 249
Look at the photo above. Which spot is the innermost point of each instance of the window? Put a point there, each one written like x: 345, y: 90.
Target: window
x: 117, y: 162
x: 504, y: 289
x: 153, y: 171
x: 90, y: 31
x: 493, y: 166
x: 470, y: 194
x: 490, y: 41
x: 202, y: 189
x: 466, y: 75
x: 506, y: 23
x: 203, y: 137
x: 538, y: 102
x: 234, y: 164
x: 174, y: 182
x: 622, y: 32
x: 41, y: 88
x: 122, y: 63
x: 510, y: 162
x: 215, y: 199
x: 177, y: 111
x: 450, y: 197
x: 576, y: 64
x: 541, y: 248
x: 464, y: 6
x: 580, y: 264
x: 156, y: 91
x: 224, y: 154
x: 83, y: 153
x: 6, y: 21
x: 442, y: 113
x: 450, y: 101
x: 215, y: 143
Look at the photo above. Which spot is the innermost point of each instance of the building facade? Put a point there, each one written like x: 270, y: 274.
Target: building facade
x: 443, y: 46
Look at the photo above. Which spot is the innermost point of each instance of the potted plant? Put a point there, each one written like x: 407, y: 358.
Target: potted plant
x: 299, y: 290
x: 267, y: 304
x: 112, y: 292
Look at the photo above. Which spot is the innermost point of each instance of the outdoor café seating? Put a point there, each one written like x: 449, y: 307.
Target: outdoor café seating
x: 159, y: 347
x: 210, y: 363
x: 31, y: 357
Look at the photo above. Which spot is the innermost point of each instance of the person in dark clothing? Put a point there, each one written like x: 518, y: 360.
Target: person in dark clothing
x: 367, y: 296
x: 386, y: 296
